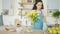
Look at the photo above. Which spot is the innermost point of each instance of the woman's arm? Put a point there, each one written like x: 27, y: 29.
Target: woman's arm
x: 45, y: 14
x: 45, y: 21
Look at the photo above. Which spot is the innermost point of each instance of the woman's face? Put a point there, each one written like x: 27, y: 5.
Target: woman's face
x: 39, y: 5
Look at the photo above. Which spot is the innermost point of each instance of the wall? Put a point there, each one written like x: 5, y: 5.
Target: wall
x: 16, y: 6
x: 53, y: 4
x: 6, y: 4
x: 59, y: 4
x: 1, y: 21
x: 45, y: 4
x: 0, y: 6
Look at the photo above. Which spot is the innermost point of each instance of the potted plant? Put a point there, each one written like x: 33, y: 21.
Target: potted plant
x: 56, y: 15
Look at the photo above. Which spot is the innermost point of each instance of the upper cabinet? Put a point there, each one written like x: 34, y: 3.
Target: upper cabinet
x: 53, y: 4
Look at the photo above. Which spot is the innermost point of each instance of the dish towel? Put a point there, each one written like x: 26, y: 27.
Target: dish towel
x: 44, y: 26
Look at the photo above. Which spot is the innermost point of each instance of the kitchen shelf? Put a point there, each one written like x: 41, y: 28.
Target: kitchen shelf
x: 25, y: 5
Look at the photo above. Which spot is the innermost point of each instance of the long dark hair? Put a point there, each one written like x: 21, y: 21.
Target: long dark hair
x: 34, y: 7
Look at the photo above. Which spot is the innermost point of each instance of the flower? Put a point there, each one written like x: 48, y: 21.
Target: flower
x: 33, y: 15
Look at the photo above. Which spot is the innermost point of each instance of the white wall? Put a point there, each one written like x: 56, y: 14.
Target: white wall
x: 45, y: 4
x: 16, y: 6
x: 59, y: 4
x: 6, y: 4
x: 0, y: 6
x: 53, y: 4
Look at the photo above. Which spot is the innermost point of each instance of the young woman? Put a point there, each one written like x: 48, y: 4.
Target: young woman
x: 38, y: 7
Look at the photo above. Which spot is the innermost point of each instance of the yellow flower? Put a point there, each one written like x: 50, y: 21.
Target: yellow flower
x: 33, y: 15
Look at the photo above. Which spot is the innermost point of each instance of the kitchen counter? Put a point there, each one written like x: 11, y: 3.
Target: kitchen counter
x: 21, y: 32
x: 34, y: 32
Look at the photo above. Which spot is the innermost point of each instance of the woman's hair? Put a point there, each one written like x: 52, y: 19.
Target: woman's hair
x: 34, y: 7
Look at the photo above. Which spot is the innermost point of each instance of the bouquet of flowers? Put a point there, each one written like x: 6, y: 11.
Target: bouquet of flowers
x: 33, y: 15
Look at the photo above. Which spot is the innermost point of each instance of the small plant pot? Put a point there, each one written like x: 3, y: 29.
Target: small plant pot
x: 57, y: 25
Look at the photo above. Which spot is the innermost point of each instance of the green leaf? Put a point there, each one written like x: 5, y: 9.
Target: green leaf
x: 56, y: 14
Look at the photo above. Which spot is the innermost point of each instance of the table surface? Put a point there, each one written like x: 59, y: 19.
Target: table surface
x: 34, y: 32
